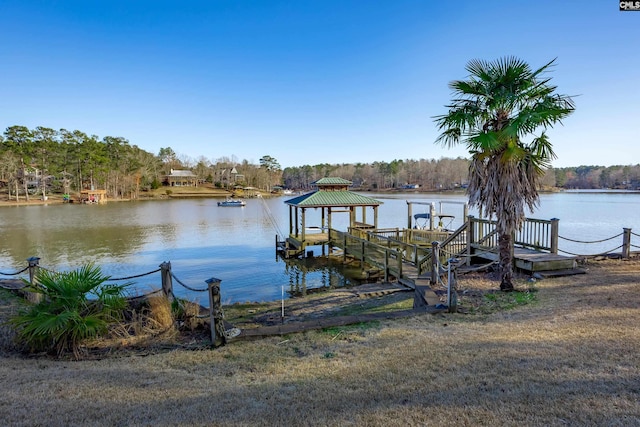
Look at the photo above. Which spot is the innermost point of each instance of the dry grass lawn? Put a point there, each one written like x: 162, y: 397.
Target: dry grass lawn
x: 570, y: 358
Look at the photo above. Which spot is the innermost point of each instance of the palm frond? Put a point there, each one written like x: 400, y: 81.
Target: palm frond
x: 77, y: 305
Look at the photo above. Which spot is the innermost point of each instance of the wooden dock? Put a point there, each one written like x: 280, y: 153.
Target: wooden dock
x: 293, y: 247
x: 411, y: 263
x: 534, y: 261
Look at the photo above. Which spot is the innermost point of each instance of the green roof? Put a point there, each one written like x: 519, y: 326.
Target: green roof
x: 330, y: 180
x: 332, y: 198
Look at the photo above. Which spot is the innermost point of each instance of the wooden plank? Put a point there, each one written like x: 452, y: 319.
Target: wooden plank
x: 558, y: 273
x: 424, y: 296
x: 12, y: 284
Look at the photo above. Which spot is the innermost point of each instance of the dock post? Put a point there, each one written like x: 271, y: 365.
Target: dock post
x: 432, y: 214
x: 435, y: 260
x: 33, y: 270
x: 167, y: 284
x: 215, y: 313
x: 344, y: 248
x: 386, y: 265
x: 470, y: 239
x: 626, y: 242
x: 554, y: 235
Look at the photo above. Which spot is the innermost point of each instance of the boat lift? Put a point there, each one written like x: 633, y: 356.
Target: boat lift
x: 433, y: 220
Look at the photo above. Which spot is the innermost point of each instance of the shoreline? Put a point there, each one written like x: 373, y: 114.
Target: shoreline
x: 161, y: 194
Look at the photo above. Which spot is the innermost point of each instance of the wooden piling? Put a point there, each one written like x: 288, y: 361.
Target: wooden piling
x: 626, y: 242
x: 215, y: 313
x: 554, y: 235
x: 435, y: 260
x: 33, y: 271
x: 167, y: 284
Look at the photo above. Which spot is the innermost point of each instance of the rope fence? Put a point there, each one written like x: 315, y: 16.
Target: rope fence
x: 219, y: 334
x: 591, y: 255
x: 591, y: 241
x: 136, y: 276
x: 624, y: 249
x: 14, y: 274
x: 186, y: 286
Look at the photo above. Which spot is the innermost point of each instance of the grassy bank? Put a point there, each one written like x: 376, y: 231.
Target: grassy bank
x: 570, y: 358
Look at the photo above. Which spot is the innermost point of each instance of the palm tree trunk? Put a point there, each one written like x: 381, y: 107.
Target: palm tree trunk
x: 506, y: 261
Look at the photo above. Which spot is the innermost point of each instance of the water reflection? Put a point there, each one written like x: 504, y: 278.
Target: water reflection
x: 66, y: 239
x: 318, y: 273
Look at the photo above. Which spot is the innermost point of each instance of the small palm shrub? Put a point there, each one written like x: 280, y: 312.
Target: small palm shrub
x: 76, y: 306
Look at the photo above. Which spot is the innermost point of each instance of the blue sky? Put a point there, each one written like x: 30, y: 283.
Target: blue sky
x: 309, y: 82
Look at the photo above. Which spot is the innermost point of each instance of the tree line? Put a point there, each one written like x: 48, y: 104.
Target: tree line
x: 41, y: 160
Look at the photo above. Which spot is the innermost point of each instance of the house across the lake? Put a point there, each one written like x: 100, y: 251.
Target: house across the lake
x: 181, y: 178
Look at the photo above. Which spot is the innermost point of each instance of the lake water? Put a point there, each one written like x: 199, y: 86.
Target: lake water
x: 237, y: 245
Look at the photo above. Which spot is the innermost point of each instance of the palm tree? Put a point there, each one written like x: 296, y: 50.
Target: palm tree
x: 500, y: 104
x: 76, y: 306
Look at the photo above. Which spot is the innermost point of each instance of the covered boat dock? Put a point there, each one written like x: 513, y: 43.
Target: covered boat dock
x: 332, y: 196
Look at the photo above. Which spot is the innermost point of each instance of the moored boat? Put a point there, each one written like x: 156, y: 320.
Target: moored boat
x: 230, y: 202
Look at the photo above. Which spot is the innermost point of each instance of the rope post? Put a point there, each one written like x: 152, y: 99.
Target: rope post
x: 626, y: 242
x: 435, y: 259
x: 167, y: 284
x: 215, y: 313
x: 554, y: 235
x: 33, y: 270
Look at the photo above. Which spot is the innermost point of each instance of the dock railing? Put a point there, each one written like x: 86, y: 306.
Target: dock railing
x: 538, y: 234
x: 416, y: 246
x: 477, y: 238
x: 383, y: 253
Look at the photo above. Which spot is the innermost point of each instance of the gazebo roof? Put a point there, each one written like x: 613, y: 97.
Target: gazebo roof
x: 332, y: 198
x: 331, y: 180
